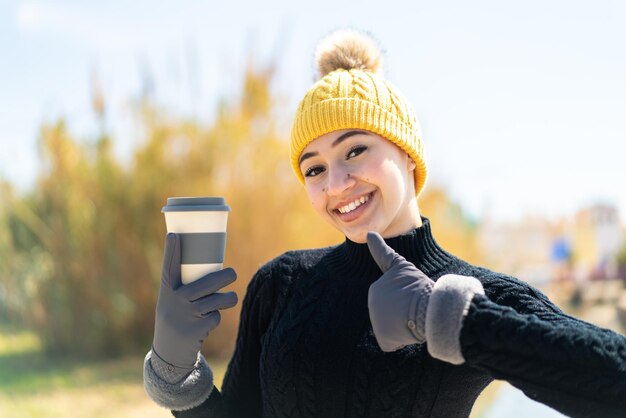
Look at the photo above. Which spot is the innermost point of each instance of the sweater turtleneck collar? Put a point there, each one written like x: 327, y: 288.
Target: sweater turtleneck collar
x: 418, y: 246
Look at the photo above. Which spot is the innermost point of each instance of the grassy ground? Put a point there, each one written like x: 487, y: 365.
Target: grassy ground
x: 33, y: 387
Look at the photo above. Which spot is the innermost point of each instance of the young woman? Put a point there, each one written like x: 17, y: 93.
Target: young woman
x: 388, y: 323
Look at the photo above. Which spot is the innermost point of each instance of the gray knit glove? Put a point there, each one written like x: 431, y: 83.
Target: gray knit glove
x: 397, y: 301
x: 186, y: 314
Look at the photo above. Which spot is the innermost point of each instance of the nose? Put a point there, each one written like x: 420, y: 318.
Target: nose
x: 339, y: 180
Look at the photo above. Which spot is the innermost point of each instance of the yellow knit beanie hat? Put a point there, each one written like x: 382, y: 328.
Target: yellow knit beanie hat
x: 352, y: 94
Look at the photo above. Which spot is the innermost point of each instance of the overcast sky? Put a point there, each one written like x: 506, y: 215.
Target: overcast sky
x: 522, y: 104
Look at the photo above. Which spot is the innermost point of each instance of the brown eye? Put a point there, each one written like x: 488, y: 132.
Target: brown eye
x: 356, y: 150
x: 313, y: 171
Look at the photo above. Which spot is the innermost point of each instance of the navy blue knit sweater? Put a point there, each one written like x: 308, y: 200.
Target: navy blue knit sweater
x: 305, y: 346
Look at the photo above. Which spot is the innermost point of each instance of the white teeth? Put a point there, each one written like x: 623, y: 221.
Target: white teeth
x: 353, y: 205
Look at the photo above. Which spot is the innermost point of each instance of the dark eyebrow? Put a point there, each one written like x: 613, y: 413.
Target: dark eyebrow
x: 336, y: 142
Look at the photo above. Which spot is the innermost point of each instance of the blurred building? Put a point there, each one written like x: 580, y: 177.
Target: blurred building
x: 537, y: 250
x: 520, y: 249
x: 598, y: 238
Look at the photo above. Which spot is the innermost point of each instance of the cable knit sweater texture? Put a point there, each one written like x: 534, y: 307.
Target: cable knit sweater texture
x: 305, y: 346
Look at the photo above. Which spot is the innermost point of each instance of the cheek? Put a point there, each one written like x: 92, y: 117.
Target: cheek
x: 316, y: 197
x: 367, y: 173
x: 395, y: 179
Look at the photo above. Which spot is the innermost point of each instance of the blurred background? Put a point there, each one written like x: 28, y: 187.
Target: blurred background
x: 108, y: 108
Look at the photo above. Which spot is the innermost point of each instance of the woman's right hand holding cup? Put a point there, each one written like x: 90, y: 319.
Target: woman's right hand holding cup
x: 186, y: 314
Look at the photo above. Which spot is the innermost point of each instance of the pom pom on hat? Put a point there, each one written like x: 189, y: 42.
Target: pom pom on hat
x: 347, y: 49
x: 351, y: 94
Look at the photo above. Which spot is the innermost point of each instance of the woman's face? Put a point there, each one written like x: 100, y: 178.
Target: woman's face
x: 359, y: 182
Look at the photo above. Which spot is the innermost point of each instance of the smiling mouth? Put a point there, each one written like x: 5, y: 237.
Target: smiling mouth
x: 353, y: 209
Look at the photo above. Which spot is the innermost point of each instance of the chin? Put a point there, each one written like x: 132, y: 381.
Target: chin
x: 359, y: 237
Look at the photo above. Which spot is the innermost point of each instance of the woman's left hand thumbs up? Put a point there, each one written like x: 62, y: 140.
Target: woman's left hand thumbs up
x: 397, y: 301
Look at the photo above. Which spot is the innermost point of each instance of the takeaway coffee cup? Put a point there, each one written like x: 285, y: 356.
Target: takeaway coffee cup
x: 201, y: 224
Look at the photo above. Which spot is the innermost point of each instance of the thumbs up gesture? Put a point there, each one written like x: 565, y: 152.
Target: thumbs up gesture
x: 397, y: 301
